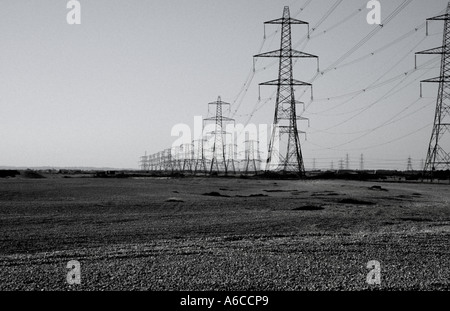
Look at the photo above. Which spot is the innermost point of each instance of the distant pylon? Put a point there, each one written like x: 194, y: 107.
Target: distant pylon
x: 347, y: 162
x: 143, y: 162
x: 438, y: 156
x: 177, y: 154
x: 219, y: 158
x: 341, y: 165
x: 409, y: 167
x: 285, y: 155
x: 252, y: 157
x: 188, y: 157
x: 231, y: 156
x: 168, y: 161
x: 361, y: 163
x: 200, y: 160
x: 160, y: 157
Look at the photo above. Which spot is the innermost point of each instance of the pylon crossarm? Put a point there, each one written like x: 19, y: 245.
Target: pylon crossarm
x: 434, y: 80
x: 218, y: 102
x: 444, y: 17
x: 299, y: 54
x: 288, y: 83
x: 289, y: 20
x: 287, y: 129
x: 218, y: 132
x: 304, y: 133
x: 293, y: 54
x: 297, y: 102
x: 437, y: 80
x: 226, y: 119
x: 304, y: 119
x: 276, y: 53
x: 438, y: 50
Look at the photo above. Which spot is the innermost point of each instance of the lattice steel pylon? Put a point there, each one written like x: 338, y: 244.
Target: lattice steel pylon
x: 285, y: 156
x: 219, y: 156
x: 252, y: 157
x: 200, y: 160
x: 231, y: 156
x: 409, y: 167
x: 438, y: 156
x: 143, y: 163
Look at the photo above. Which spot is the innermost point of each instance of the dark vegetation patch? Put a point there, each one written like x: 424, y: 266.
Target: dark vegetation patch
x: 355, y: 202
x: 8, y: 173
x: 402, y: 196
x: 233, y: 238
x: 308, y: 208
x: 226, y: 189
x: 174, y: 200
x: 215, y: 194
x: 31, y: 174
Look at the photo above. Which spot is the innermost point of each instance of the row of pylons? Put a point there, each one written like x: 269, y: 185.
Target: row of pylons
x: 284, y: 151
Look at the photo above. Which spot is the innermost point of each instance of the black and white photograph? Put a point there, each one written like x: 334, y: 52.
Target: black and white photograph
x: 222, y: 152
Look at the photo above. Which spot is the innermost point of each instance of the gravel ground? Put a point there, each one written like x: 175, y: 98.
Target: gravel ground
x: 166, y: 234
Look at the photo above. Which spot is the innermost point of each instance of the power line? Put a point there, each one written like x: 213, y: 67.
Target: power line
x: 374, y: 146
x: 362, y: 42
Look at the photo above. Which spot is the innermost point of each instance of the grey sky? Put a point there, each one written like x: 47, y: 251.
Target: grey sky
x: 104, y: 92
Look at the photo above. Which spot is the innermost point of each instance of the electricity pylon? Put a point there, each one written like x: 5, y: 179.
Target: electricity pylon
x: 231, y: 155
x: 409, y: 167
x: 285, y: 155
x: 200, y: 160
x: 341, y: 165
x: 438, y: 156
x: 252, y: 157
x: 188, y: 157
x: 219, y: 157
x: 144, y: 162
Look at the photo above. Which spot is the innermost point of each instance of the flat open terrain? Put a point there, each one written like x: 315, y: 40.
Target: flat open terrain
x: 166, y: 234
